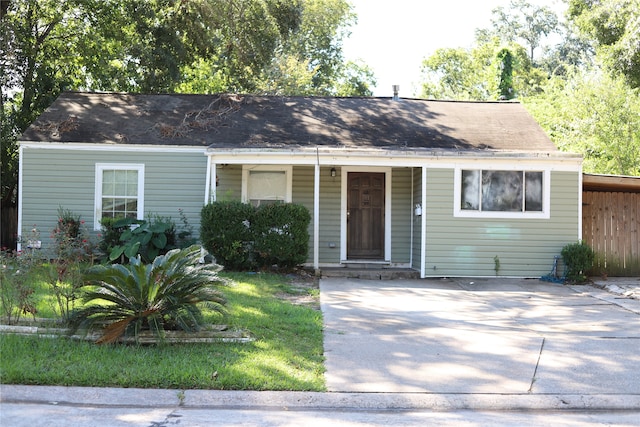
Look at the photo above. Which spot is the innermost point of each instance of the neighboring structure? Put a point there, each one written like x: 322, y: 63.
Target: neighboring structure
x: 611, y: 222
x: 446, y: 188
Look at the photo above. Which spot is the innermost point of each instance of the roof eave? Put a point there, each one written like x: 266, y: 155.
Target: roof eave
x: 406, y: 157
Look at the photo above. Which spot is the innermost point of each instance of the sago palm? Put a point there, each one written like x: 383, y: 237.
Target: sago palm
x: 169, y: 293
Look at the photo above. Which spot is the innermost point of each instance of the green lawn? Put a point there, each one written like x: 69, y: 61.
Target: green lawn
x: 287, y: 353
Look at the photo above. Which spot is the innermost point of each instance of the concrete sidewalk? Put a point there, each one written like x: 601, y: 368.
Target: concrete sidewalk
x: 103, y: 397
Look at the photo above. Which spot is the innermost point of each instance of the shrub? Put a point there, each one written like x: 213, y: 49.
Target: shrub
x: 71, y: 238
x: 147, y: 238
x: 242, y: 237
x: 167, y: 294
x: 281, y: 234
x: 226, y: 233
x: 578, y: 258
x: 110, y: 235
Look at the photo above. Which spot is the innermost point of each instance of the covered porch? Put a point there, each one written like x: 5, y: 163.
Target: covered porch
x: 366, y: 206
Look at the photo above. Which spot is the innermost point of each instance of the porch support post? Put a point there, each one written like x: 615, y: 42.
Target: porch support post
x: 316, y: 218
x: 580, y: 194
x: 423, y: 228
x: 213, y: 182
x: 210, y: 189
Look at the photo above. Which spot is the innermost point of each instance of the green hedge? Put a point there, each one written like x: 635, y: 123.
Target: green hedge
x: 242, y: 237
x: 281, y: 234
x: 225, y: 232
x: 578, y: 258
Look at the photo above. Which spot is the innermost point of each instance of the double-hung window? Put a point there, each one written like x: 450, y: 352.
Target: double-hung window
x: 502, y: 193
x: 262, y: 184
x: 119, y: 191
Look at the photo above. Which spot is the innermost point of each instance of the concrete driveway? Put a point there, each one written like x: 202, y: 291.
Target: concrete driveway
x: 502, y: 336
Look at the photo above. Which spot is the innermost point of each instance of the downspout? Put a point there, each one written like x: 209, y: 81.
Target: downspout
x: 316, y: 214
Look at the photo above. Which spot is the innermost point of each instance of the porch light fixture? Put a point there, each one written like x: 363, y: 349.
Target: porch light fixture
x: 333, y: 172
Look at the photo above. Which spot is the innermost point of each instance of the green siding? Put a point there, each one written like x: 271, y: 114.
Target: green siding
x: 417, y: 220
x: 401, y: 215
x: 66, y: 178
x: 525, y: 247
x: 455, y: 246
x: 329, y: 220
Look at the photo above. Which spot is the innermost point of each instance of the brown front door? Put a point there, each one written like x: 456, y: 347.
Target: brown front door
x: 365, y: 215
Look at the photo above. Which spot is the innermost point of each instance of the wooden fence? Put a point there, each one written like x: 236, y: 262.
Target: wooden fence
x: 611, y: 226
x: 8, y: 225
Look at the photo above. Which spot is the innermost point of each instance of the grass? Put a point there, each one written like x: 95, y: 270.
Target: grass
x: 287, y: 353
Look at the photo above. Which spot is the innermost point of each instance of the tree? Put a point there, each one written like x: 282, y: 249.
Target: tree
x: 36, y: 63
x: 573, y: 50
x: 454, y: 74
x: 203, y: 46
x: 355, y: 79
x: 505, y: 79
x: 324, y: 25
x: 593, y: 113
x: 474, y: 74
x: 524, y: 21
x: 615, y: 27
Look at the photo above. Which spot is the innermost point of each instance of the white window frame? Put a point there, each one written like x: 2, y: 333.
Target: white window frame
x: 466, y: 213
x: 287, y: 169
x: 100, y: 168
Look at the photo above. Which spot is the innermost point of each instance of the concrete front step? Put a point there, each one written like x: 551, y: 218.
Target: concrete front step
x: 371, y: 273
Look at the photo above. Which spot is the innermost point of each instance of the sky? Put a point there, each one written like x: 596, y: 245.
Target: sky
x: 394, y: 36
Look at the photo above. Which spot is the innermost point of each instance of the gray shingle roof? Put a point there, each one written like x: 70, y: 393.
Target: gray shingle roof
x: 247, y: 121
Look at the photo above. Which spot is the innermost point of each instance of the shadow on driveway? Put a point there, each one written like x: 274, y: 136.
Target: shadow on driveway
x: 477, y: 336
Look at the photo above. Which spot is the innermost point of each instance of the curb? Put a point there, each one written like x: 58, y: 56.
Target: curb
x: 293, y: 400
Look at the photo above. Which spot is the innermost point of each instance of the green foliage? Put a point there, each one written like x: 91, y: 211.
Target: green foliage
x: 184, y: 233
x: 470, y: 74
x: 281, y: 234
x: 449, y: 74
x: 593, y: 114
x: 578, y: 259
x: 287, y: 352
x: 615, y: 27
x: 109, y: 235
x: 242, y: 237
x: 147, y: 238
x: 226, y: 234
x: 505, y: 79
x: 17, y: 274
x: 524, y: 21
x: 73, y: 250
x: 355, y: 79
x: 166, y: 294
x: 203, y: 46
